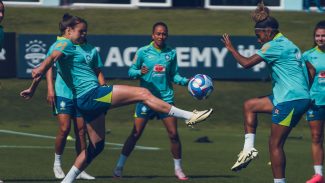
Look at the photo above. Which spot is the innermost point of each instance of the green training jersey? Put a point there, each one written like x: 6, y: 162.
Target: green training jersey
x: 287, y: 69
x: 76, y: 67
x: 316, y: 58
x: 163, y: 70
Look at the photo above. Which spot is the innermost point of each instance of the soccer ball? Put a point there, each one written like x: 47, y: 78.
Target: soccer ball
x: 200, y: 86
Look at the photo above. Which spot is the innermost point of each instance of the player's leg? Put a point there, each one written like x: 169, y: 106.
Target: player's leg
x: 124, y: 95
x: 60, y: 141
x: 317, y: 136
x: 251, y: 108
x: 129, y: 144
x: 285, y: 116
x: 81, y: 144
x: 96, y: 133
x: 176, y: 146
x: 278, y: 137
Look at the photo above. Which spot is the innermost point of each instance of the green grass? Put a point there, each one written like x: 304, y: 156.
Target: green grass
x: 204, y: 163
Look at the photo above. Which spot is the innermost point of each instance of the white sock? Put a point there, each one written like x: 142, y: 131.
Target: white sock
x: 318, y: 169
x: 179, y: 113
x: 249, y: 141
x: 57, y: 160
x: 178, y: 164
x: 283, y: 180
x: 71, y: 176
x: 121, y: 161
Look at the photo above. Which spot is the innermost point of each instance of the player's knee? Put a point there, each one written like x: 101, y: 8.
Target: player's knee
x: 93, y: 151
x: 249, y: 105
x: 316, y: 138
x: 64, y: 131
x: 145, y: 93
x: 174, y: 138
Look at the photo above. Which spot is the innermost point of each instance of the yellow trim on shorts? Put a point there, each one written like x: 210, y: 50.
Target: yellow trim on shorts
x: 287, y: 120
x: 106, y: 99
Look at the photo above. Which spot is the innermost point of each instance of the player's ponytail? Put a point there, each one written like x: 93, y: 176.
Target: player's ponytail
x: 69, y: 21
x: 261, y: 17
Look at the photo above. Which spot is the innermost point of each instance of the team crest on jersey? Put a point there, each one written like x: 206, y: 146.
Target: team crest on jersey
x: 310, y: 113
x: 62, y: 105
x: 88, y: 58
x: 61, y: 45
x: 144, y: 110
x: 265, y: 47
x: 167, y: 57
x: 159, y: 68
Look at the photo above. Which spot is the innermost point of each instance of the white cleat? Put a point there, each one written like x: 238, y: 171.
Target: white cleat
x: 117, y: 173
x: 180, y: 174
x: 198, y: 116
x: 58, y: 172
x: 85, y: 176
x: 1, y: 181
x: 244, y: 158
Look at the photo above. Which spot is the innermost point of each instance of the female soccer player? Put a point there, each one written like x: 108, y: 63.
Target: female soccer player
x: 62, y: 101
x: 156, y: 66
x: 316, y: 114
x: 92, y: 99
x: 290, y: 98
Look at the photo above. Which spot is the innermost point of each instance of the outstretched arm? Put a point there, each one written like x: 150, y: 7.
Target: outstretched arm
x: 38, y: 72
x: 243, y: 61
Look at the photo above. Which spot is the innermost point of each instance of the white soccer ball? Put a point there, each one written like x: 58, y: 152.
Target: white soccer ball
x: 200, y: 86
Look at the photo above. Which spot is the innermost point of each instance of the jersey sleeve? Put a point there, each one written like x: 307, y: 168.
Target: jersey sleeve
x: 97, y: 61
x: 135, y: 69
x: 270, y: 52
x: 176, y: 77
x: 65, y: 46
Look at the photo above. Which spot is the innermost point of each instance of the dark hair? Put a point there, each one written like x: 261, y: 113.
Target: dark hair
x: 262, y: 17
x: 159, y: 24
x: 319, y: 25
x: 70, y: 21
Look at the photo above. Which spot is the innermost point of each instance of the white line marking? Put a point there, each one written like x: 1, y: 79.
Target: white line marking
x: 51, y: 137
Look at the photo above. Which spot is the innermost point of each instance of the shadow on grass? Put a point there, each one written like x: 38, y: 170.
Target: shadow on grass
x: 31, y: 180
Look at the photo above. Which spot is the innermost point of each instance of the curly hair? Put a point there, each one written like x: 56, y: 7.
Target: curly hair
x: 261, y: 17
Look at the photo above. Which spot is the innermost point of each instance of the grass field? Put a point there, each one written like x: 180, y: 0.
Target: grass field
x: 29, y: 158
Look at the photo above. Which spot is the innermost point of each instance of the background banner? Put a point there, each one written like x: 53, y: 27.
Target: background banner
x: 196, y: 54
x: 8, y: 56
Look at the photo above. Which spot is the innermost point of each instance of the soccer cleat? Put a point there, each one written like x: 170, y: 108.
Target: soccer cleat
x: 85, y: 176
x: 244, y: 158
x: 1, y: 181
x: 198, y: 116
x: 117, y: 173
x: 180, y: 174
x: 316, y: 179
x: 58, y: 172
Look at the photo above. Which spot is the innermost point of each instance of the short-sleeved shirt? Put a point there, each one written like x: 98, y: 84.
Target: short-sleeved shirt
x: 76, y: 66
x: 61, y: 88
x: 288, y: 71
x: 316, y: 58
x: 163, y: 70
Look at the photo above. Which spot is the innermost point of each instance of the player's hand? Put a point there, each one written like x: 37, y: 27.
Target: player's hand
x: 144, y: 70
x: 226, y: 40
x: 50, y: 98
x: 27, y: 94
